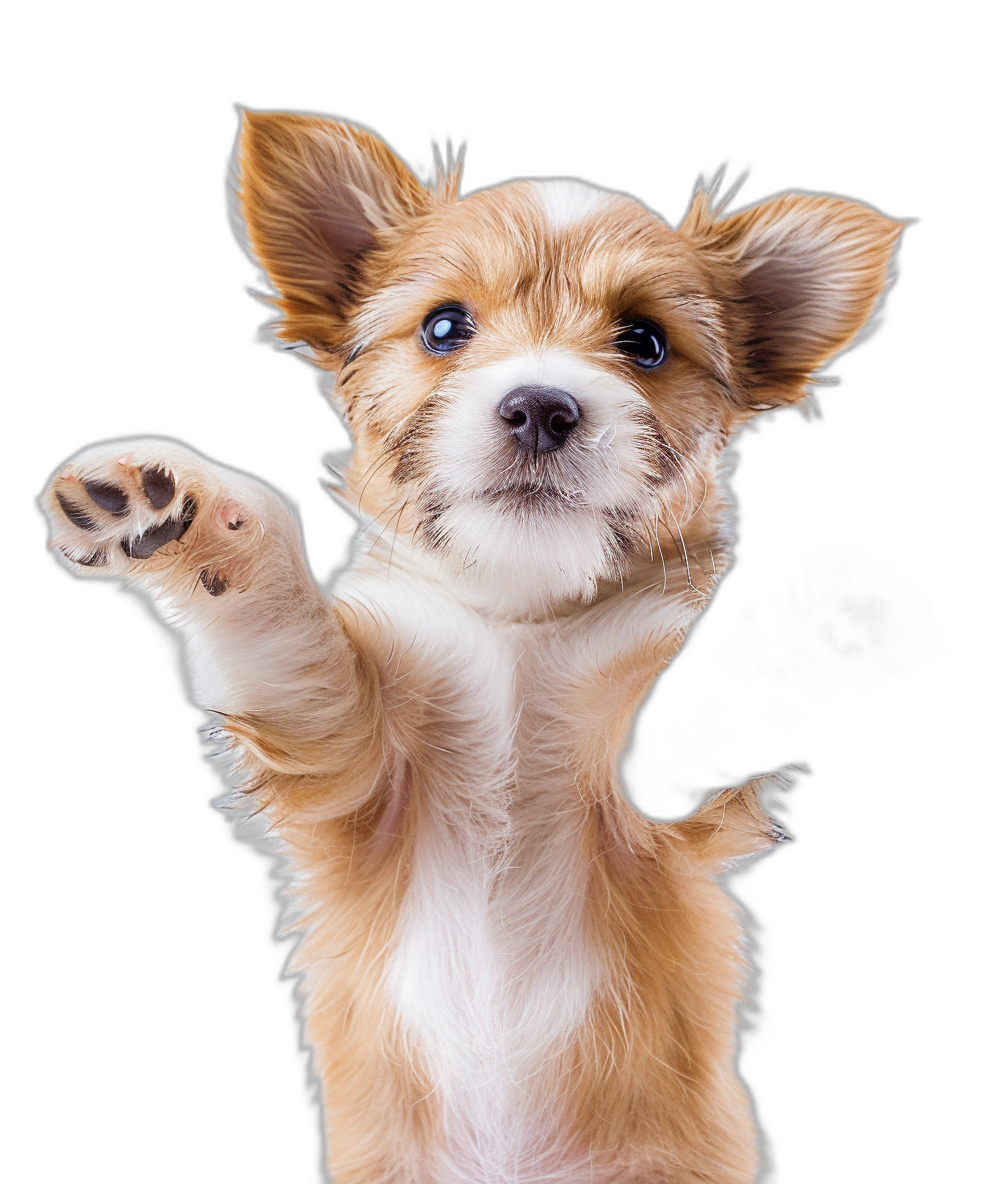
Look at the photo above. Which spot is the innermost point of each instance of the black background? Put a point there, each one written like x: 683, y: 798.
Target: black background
x: 164, y: 1029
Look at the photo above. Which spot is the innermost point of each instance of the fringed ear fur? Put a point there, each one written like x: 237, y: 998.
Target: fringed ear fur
x: 316, y: 196
x: 799, y: 276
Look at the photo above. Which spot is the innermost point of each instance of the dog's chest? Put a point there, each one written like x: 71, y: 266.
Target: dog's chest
x: 492, y: 967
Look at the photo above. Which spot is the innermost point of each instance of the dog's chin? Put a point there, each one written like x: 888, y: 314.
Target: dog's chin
x: 529, y: 549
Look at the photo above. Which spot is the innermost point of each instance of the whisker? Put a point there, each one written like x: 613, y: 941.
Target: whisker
x: 682, y: 461
x: 682, y: 543
x: 372, y: 469
x: 381, y: 532
x: 395, y: 535
x: 662, y: 554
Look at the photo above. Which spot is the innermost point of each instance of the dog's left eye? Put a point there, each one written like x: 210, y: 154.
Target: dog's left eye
x: 642, y: 342
x: 446, y: 328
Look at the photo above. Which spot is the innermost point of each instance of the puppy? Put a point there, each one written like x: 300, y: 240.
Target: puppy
x: 508, y: 974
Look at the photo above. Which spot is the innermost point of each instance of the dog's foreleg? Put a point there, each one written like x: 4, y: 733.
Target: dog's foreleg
x: 223, y: 556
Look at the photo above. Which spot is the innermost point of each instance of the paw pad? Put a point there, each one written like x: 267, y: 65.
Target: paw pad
x: 77, y: 516
x: 105, y: 497
x: 95, y: 559
x: 158, y: 536
x: 110, y: 498
x: 119, y: 512
x: 159, y: 486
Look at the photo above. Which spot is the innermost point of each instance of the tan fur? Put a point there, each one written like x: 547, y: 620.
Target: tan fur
x: 433, y: 723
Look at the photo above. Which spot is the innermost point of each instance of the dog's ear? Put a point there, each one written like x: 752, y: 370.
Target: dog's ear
x: 317, y: 197
x: 800, y: 276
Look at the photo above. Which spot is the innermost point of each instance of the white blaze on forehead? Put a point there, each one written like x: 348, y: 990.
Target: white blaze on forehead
x: 566, y: 203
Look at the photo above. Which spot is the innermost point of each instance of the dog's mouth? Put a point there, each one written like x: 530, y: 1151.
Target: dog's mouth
x: 536, y: 485
x: 575, y: 470
x: 574, y: 513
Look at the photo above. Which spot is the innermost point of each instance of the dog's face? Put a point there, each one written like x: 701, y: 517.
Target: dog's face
x: 540, y: 377
x: 535, y: 367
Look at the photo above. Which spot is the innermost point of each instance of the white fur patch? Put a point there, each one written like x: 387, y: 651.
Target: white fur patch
x: 566, y: 203
x: 485, y: 1011
x: 529, y: 556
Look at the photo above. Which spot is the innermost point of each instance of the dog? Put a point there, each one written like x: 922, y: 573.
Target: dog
x: 508, y: 974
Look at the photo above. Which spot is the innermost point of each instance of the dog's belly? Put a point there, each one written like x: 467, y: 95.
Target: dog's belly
x: 489, y: 985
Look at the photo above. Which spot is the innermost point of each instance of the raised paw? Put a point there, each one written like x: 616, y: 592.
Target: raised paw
x: 153, y: 511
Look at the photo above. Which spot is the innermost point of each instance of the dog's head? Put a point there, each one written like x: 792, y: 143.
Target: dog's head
x: 540, y: 377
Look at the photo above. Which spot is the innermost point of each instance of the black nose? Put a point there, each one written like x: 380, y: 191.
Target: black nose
x: 541, y: 417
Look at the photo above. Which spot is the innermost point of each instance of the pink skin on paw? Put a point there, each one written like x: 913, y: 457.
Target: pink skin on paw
x: 230, y: 515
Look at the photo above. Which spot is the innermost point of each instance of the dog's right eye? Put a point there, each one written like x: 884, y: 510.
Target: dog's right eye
x: 642, y: 342
x: 446, y: 328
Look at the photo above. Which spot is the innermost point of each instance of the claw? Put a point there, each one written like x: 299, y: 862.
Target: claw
x: 215, y: 584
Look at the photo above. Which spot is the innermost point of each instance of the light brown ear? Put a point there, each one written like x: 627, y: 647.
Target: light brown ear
x: 316, y: 195
x: 801, y: 275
